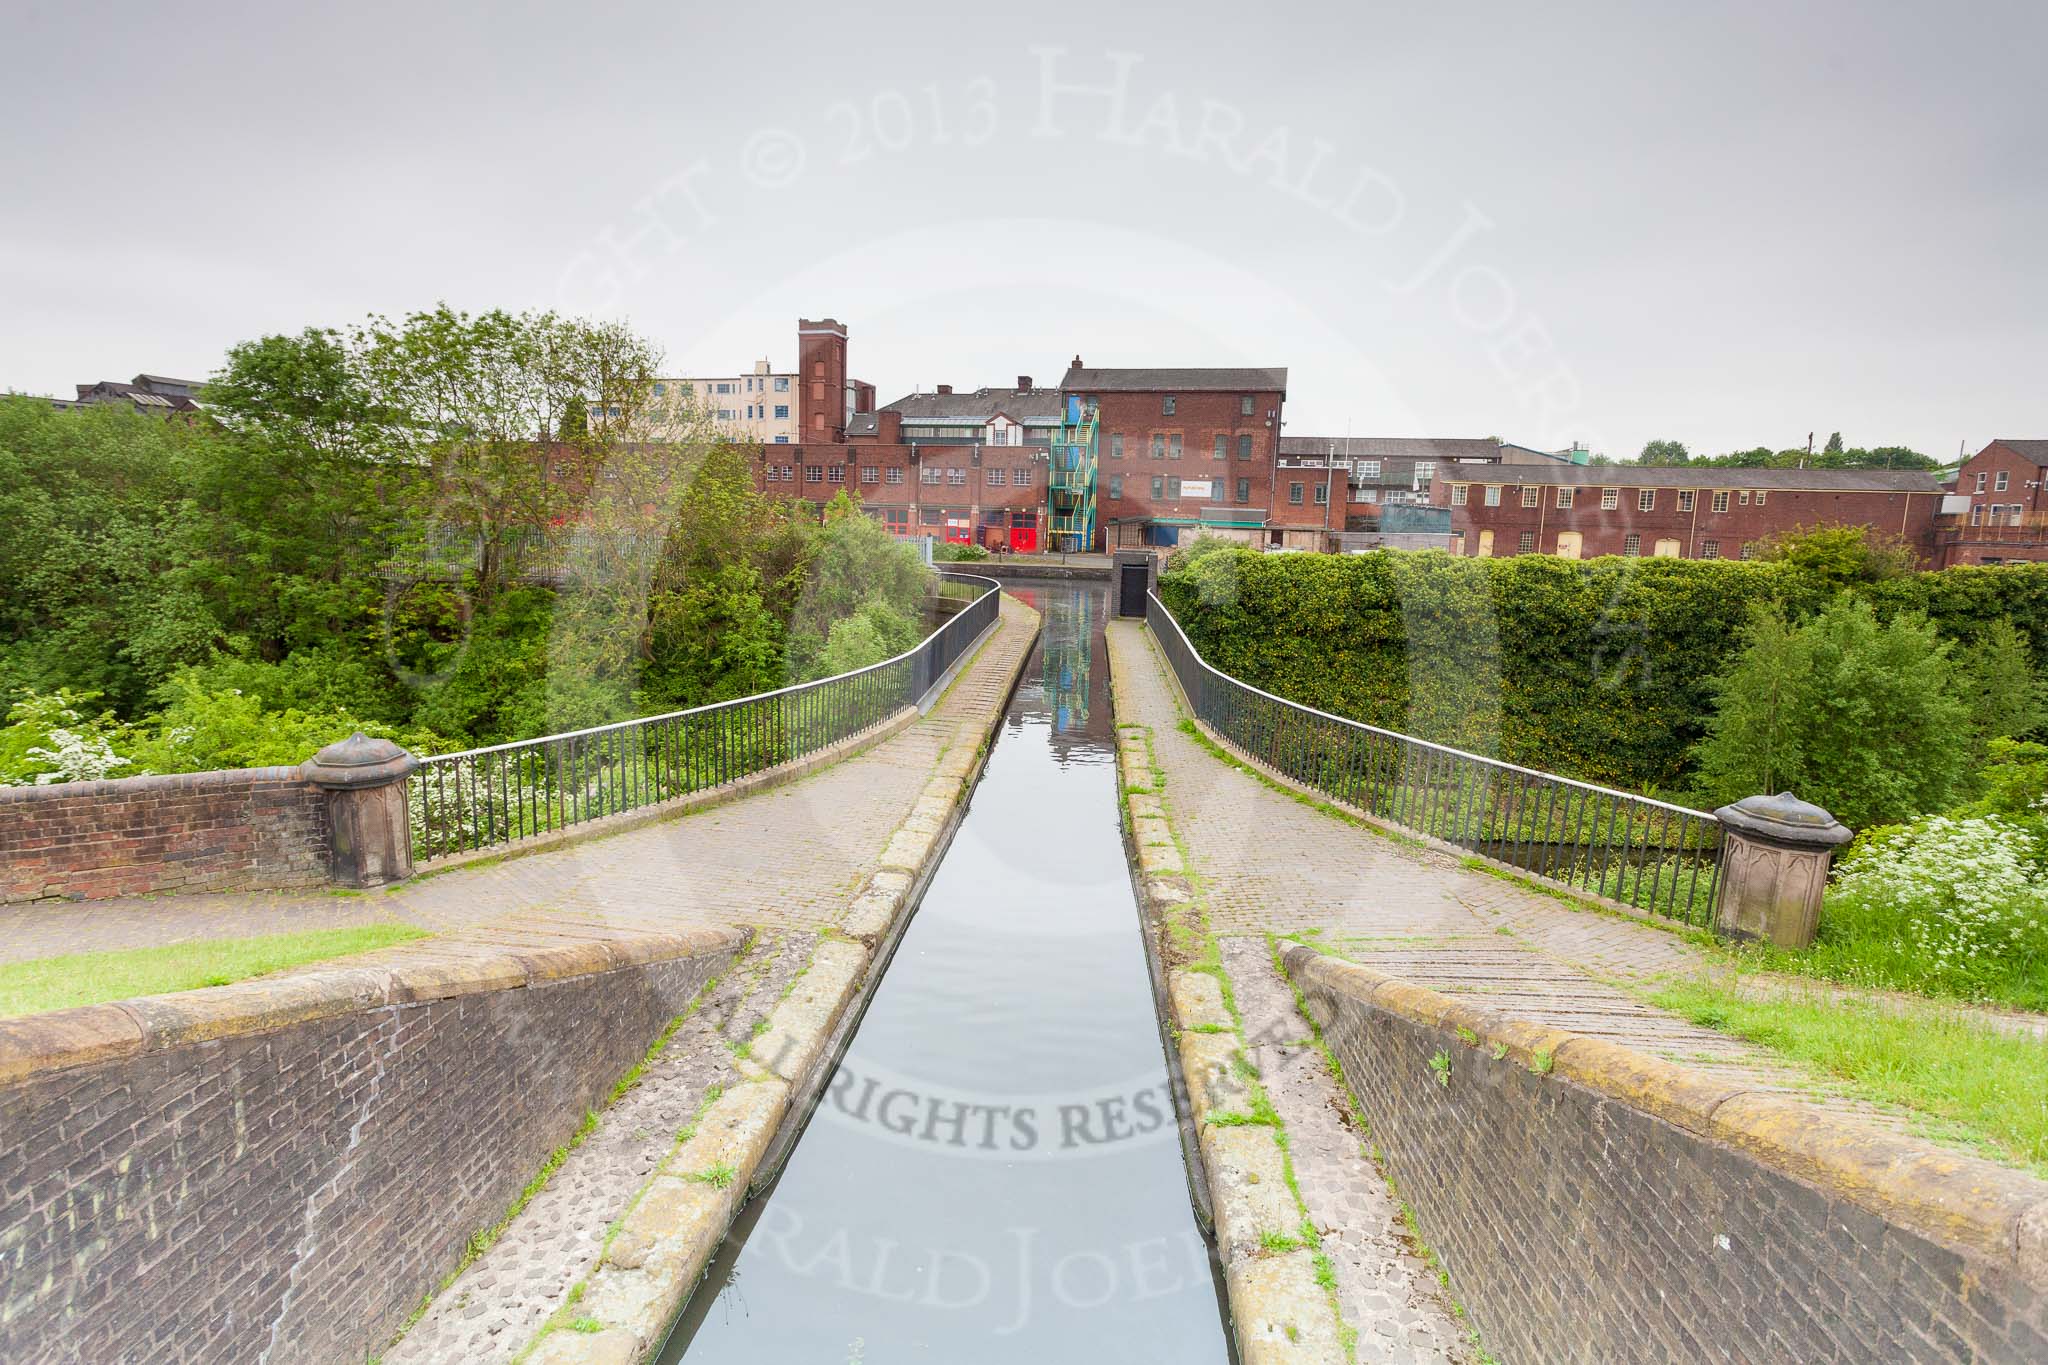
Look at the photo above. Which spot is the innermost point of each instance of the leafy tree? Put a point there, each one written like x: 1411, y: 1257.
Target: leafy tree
x: 1858, y: 717
x: 2006, y: 697
x: 1841, y: 556
x: 1833, y: 449
x: 1664, y: 453
x: 875, y: 632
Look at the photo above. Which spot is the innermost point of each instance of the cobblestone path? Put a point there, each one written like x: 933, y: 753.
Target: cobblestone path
x: 789, y: 857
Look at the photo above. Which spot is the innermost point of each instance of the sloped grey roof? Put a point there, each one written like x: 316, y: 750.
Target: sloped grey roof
x: 2034, y: 452
x: 1082, y: 380
x: 978, y: 405
x: 1394, y: 447
x: 1704, y: 476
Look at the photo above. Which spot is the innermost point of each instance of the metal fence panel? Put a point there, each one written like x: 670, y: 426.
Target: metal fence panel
x: 501, y: 794
x: 1660, y: 858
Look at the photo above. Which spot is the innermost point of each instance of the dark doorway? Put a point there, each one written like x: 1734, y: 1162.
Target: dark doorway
x: 1130, y: 596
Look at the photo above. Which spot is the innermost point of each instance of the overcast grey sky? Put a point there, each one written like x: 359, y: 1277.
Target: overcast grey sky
x: 1728, y: 224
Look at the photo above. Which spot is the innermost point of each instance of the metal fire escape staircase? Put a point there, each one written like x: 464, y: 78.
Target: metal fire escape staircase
x: 1070, y: 486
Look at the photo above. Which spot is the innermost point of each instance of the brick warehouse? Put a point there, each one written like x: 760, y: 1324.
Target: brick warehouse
x: 1687, y: 513
x: 1172, y: 452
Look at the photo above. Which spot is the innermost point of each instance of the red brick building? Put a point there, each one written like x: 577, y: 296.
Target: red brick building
x: 1178, y: 450
x: 1687, y: 513
x: 1998, y: 514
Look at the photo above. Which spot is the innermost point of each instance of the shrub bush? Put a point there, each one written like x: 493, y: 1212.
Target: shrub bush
x: 1949, y: 905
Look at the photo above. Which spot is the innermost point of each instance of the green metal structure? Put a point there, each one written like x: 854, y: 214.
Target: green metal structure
x: 1070, y: 485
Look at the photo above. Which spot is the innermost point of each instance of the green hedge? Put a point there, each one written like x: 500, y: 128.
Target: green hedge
x: 1599, y: 669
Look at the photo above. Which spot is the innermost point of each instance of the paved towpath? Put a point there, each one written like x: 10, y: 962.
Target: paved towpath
x: 790, y: 857
x: 1270, y: 864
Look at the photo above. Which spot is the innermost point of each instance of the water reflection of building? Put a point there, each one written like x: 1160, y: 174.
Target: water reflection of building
x: 1073, y: 620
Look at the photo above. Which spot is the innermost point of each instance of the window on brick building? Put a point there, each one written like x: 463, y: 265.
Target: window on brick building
x: 1759, y: 497
x: 1244, y: 447
x: 1743, y: 497
x: 1116, y: 486
x: 1710, y: 549
x: 1173, y: 485
x: 1158, y: 485
x: 1493, y: 495
x: 1460, y: 492
x: 1998, y: 483
x: 1166, y: 406
x: 1632, y: 544
x: 1749, y: 549
x: 1021, y: 477
x: 1532, y: 494
x: 1564, y: 497
x: 1424, y: 475
x: 789, y: 473
x: 870, y: 473
x: 931, y: 516
x: 769, y: 474
x: 1610, y: 498
x: 956, y: 476
x: 1322, y: 495
x: 835, y: 473
x: 1980, y: 481
x: 893, y: 474
x: 1244, y: 406
x: 997, y: 477
x: 930, y: 473
x: 1646, y: 499
x: 1721, y: 500
x: 1976, y: 514
x: 1244, y: 490
x: 1222, y: 446
x: 1158, y: 446
x: 1368, y: 469
x: 1526, y: 542
x: 1294, y: 494
x: 896, y: 518
x: 1173, y: 446
x: 1685, y: 497
x: 814, y: 473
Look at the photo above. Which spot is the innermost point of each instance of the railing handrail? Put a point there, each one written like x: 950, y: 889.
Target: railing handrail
x: 988, y: 585
x: 1451, y: 750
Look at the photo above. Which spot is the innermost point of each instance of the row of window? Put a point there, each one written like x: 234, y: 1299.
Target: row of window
x: 1997, y: 514
x: 756, y: 384
x: 1166, y: 445
x: 1610, y: 498
x: 1246, y: 404
x: 2004, y: 481
x: 1631, y: 546
x: 1171, y: 486
x: 928, y: 474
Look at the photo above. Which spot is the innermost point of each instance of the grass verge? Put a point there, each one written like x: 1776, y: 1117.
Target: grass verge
x: 55, y: 983
x: 1988, y: 1088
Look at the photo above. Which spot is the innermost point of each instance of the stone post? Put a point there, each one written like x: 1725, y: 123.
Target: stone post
x: 1774, y: 866
x: 364, y: 780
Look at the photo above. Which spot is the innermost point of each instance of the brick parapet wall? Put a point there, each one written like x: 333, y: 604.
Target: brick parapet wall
x: 1594, y: 1203
x: 248, y: 829
x: 280, y: 1169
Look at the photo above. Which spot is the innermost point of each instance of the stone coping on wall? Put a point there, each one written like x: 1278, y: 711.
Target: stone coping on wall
x: 147, y: 784
x: 485, y: 959
x: 1974, y: 1206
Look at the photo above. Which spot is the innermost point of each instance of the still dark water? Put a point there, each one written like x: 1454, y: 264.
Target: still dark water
x: 993, y: 1174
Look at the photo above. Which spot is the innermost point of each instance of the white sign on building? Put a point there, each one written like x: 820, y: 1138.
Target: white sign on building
x: 1196, y: 488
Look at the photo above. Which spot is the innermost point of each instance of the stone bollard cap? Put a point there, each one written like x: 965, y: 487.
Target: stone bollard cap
x: 356, y: 762
x: 1785, y: 819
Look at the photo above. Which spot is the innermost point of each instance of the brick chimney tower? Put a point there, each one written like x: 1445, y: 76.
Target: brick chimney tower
x: 821, y: 380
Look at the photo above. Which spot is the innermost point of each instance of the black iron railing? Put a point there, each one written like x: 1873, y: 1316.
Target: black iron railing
x: 1660, y: 858
x: 503, y: 793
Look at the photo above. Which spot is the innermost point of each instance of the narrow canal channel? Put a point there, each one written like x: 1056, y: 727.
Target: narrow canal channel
x: 994, y: 1173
